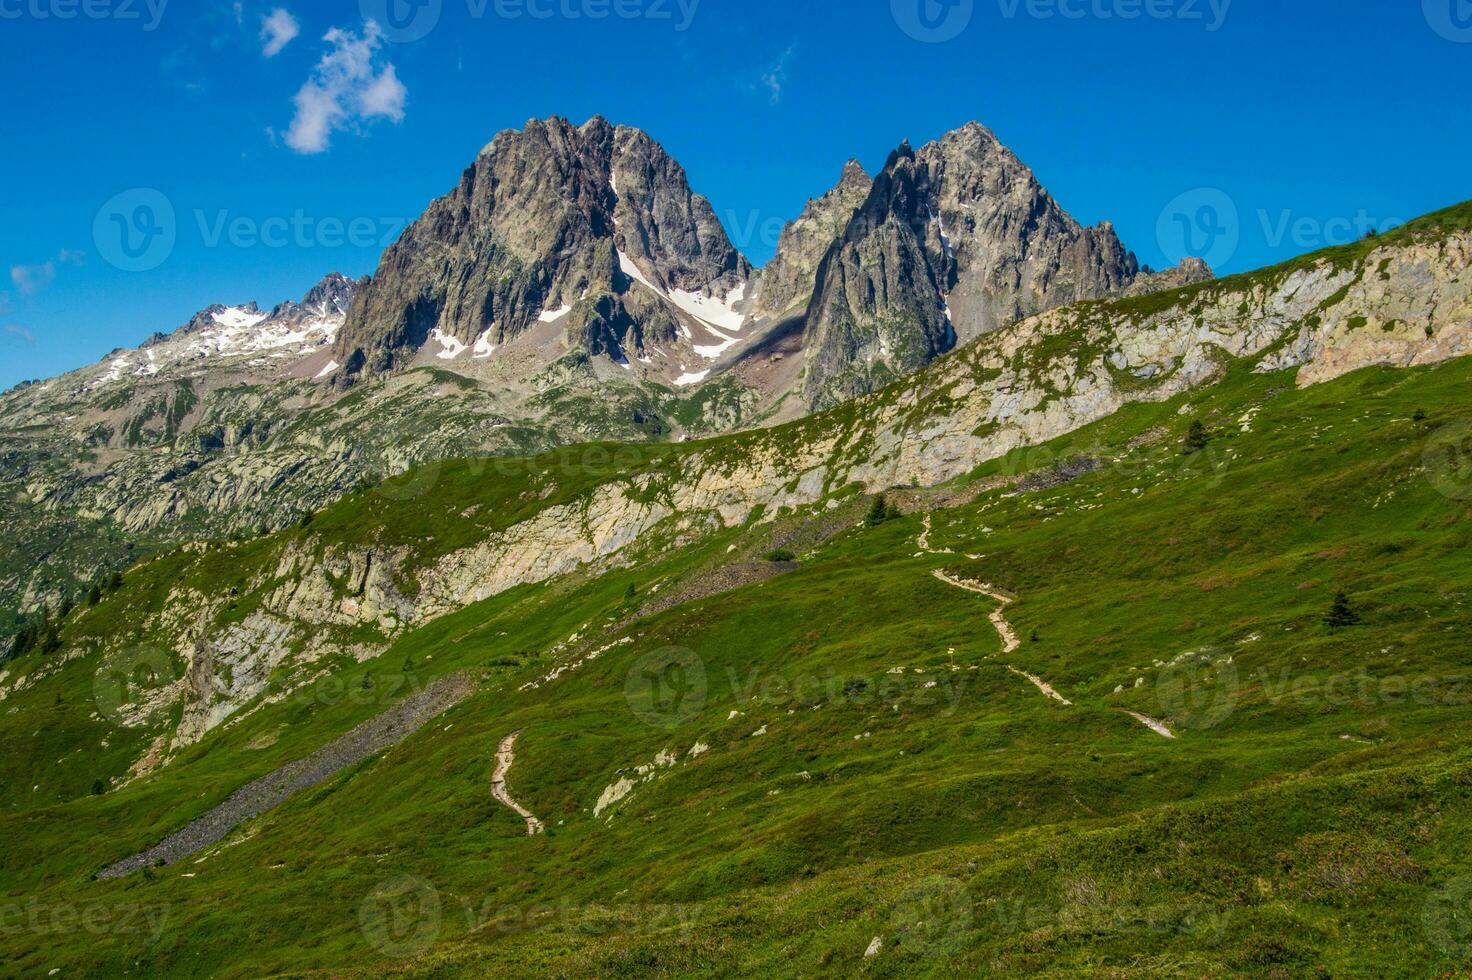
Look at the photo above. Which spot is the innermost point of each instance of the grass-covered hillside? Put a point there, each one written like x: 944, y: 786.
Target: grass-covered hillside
x: 848, y: 767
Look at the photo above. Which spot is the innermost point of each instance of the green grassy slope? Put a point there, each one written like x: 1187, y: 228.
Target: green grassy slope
x: 872, y: 768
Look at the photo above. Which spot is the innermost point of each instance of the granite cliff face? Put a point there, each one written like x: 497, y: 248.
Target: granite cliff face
x: 955, y: 240
x: 878, y: 309
x: 550, y: 225
x: 787, y: 281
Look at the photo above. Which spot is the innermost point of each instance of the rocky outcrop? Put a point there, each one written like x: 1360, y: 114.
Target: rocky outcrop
x: 1016, y: 252
x: 332, y: 297
x: 269, y: 792
x: 787, y: 281
x: 1188, y: 273
x: 878, y: 310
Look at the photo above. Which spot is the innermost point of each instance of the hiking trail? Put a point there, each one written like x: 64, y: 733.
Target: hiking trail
x: 1158, y: 727
x: 1011, y: 643
x: 505, y: 756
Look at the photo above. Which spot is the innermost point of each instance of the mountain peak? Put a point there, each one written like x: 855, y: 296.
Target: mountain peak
x: 555, y: 225
x: 853, y: 174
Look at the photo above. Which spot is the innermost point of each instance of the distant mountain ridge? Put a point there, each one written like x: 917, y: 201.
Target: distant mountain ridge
x: 595, y: 231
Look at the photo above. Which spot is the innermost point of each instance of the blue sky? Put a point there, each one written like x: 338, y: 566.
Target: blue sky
x: 290, y: 144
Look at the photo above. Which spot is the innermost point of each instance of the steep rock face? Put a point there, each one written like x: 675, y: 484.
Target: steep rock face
x: 539, y: 230
x: 1016, y: 251
x: 787, y: 281
x: 986, y: 245
x: 670, y: 232
x: 878, y: 311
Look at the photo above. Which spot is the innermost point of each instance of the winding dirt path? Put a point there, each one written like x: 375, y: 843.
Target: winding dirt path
x: 923, y: 541
x: 1011, y: 643
x: 1158, y: 727
x: 1004, y: 629
x: 1042, y: 685
x: 998, y: 616
x: 505, y: 756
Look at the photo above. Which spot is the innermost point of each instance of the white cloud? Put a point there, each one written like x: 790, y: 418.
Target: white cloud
x: 31, y: 279
x: 349, y: 86
x: 278, y: 29
x: 774, y: 78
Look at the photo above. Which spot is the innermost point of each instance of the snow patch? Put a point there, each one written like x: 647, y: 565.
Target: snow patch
x: 483, y: 346
x: 711, y: 311
x: 331, y: 366
x: 552, y: 316
x: 688, y: 378
x: 716, y: 313
x: 945, y: 239
x: 235, y: 316
x: 453, y: 348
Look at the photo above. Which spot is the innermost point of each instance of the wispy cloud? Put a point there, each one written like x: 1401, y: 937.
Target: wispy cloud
x: 19, y: 332
x: 31, y: 279
x: 350, y: 86
x: 775, y: 78
x: 278, y: 29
